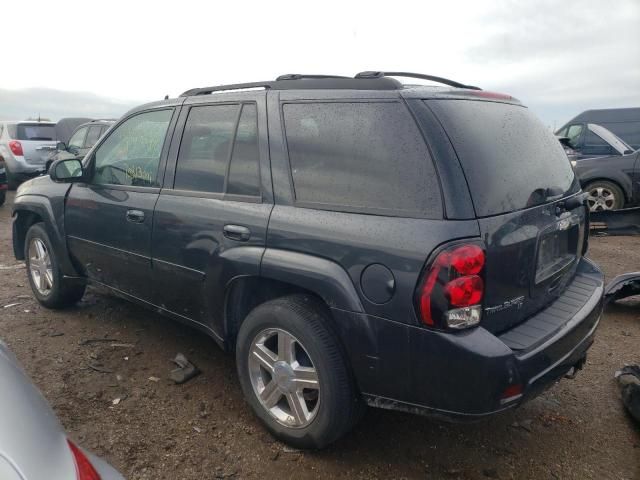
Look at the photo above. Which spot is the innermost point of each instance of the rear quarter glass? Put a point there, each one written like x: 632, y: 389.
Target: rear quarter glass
x: 510, y: 159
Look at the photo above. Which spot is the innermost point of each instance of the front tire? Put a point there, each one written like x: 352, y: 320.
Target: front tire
x: 47, y: 282
x: 293, y: 373
x: 604, y: 195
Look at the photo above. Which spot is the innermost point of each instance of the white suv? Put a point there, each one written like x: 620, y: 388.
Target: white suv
x: 25, y: 147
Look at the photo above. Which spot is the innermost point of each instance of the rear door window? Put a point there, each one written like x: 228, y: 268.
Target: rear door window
x: 351, y: 156
x: 36, y: 131
x: 205, y: 148
x: 244, y: 177
x: 511, y: 161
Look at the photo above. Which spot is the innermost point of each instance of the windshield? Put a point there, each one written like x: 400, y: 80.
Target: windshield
x: 606, y: 135
x: 511, y: 161
x: 36, y: 131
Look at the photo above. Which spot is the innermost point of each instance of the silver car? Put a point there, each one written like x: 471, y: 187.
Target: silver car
x: 25, y: 147
x: 33, y: 445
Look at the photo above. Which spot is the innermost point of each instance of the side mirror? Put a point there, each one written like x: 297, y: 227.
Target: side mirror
x: 61, y: 146
x: 66, y: 171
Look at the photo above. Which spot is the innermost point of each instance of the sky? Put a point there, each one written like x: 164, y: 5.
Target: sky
x: 98, y: 59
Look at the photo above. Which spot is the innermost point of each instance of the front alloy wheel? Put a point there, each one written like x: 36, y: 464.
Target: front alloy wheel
x: 40, y: 267
x: 601, y: 198
x: 284, y: 378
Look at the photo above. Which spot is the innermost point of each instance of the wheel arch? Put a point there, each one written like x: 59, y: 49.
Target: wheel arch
x: 283, y: 273
x: 31, y: 209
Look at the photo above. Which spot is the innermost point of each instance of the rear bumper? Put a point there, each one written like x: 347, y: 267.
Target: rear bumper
x: 468, y: 375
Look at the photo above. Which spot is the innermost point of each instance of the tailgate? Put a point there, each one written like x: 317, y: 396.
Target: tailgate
x: 526, y: 199
x: 531, y: 257
x: 38, y: 141
x: 37, y: 152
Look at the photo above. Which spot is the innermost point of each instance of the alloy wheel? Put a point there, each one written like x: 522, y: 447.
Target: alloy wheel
x: 601, y: 198
x: 284, y: 378
x: 40, y: 267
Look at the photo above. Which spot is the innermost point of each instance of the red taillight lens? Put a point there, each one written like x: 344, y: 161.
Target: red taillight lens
x: 84, y: 469
x: 468, y: 259
x: 452, y: 289
x: 16, y: 147
x: 465, y: 291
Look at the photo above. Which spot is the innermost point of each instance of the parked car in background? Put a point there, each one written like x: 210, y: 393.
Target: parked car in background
x: 33, y: 444
x: 25, y: 148
x: 80, y: 141
x: 3, y: 183
x: 353, y: 240
x: 622, y: 122
x: 66, y: 126
x: 611, y: 181
x: 566, y: 145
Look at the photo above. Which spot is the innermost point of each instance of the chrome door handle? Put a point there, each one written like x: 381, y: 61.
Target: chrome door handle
x: 135, y: 216
x: 236, y: 232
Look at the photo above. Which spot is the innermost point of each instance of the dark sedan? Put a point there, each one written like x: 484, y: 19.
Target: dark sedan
x: 612, y: 181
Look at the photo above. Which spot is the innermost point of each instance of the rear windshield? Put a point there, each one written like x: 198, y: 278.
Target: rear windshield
x: 36, y: 131
x: 510, y: 159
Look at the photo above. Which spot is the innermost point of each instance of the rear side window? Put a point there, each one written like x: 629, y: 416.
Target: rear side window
x: 26, y: 131
x: 205, y: 148
x: 510, y: 159
x: 360, y: 156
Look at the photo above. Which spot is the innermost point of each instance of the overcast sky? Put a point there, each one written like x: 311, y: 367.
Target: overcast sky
x: 558, y: 57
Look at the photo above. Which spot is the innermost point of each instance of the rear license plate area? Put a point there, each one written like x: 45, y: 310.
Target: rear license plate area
x: 558, y: 248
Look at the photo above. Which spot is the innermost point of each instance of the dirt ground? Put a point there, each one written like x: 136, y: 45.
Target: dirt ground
x: 204, y: 430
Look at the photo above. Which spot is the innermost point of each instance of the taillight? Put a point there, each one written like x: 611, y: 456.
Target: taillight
x: 451, y: 291
x: 16, y: 147
x: 84, y: 469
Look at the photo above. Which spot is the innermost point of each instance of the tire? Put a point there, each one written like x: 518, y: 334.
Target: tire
x: 59, y: 292
x: 3, y: 197
x: 12, y: 182
x: 604, y: 195
x: 334, y: 405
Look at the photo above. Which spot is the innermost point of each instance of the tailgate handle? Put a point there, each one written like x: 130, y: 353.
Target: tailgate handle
x: 135, y: 216
x: 237, y: 232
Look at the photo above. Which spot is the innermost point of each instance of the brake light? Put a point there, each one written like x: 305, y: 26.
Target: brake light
x: 16, y: 147
x: 451, y: 292
x: 84, y: 469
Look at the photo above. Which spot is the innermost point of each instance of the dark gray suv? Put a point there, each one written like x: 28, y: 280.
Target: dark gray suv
x: 355, y: 241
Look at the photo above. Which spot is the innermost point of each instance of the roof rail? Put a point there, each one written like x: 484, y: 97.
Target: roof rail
x: 220, y: 88
x: 444, y: 81
x: 298, y: 76
x: 362, y: 81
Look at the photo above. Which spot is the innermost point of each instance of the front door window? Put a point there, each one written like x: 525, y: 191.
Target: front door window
x: 131, y: 153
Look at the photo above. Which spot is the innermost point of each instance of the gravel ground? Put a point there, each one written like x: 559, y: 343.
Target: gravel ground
x: 204, y: 430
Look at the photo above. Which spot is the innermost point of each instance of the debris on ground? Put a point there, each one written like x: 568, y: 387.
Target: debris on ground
x: 185, y: 371
x: 122, y: 345
x: 89, y: 341
x: 11, y: 305
x: 524, y: 424
x: 99, y: 368
x: 629, y: 381
x: 154, y: 379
